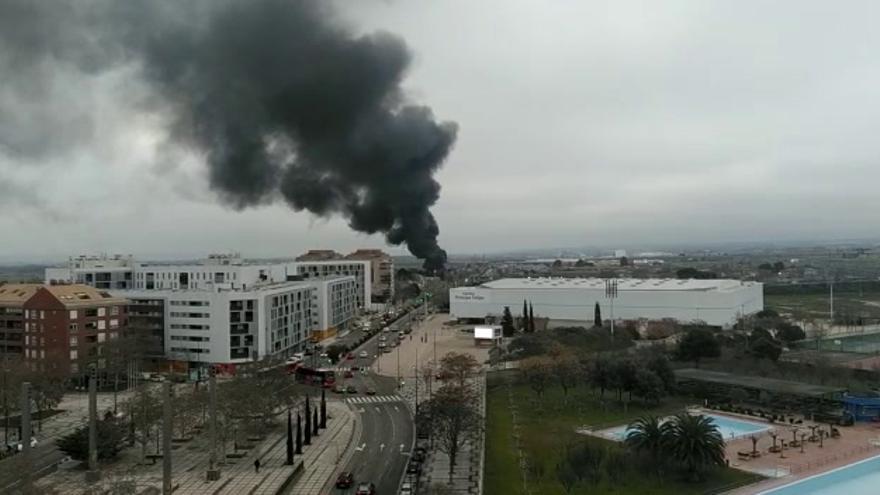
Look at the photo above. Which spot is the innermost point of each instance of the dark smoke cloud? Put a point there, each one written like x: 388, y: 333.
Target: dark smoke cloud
x: 280, y: 97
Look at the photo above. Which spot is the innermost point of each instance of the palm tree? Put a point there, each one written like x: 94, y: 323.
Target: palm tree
x: 648, y: 434
x: 694, y: 441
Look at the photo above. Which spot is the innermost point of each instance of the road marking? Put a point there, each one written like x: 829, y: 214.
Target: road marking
x: 396, y: 409
x: 359, y: 449
x: 401, y: 447
x: 382, y: 446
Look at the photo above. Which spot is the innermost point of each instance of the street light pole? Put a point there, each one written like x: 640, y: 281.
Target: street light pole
x: 611, y: 294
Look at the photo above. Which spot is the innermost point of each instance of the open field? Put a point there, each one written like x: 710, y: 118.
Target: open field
x: 546, y: 428
x: 811, y: 306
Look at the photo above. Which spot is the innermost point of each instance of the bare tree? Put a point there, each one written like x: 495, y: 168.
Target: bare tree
x: 536, y: 373
x: 453, y: 420
x: 145, y: 410
x: 459, y: 366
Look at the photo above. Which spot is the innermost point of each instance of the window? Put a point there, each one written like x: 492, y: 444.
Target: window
x: 73, y: 327
x: 73, y: 314
x: 42, y: 315
x: 73, y: 341
x: 102, y: 311
x: 102, y: 324
x: 74, y: 355
x: 74, y: 368
x: 102, y: 337
x: 114, y: 323
x: 114, y: 310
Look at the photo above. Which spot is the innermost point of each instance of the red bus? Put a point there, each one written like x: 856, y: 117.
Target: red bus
x: 323, y: 377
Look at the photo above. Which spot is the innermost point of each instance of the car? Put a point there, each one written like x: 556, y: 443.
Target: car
x: 350, y: 389
x: 406, y: 488
x: 345, y: 480
x: 371, y: 391
x: 364, y: 354
x: 414, y: 467
x: 339, y: 389
x: 350, y: 356
x: 366, y: 489
x: 386, y: 350
x: 349, y: 374
x: 382, y: 345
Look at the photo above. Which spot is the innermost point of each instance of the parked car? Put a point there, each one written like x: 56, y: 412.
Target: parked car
x: 406, y: 488
x: 366, y: 489
x: 419, y: 454
x: 339, y: 389
x: 345, y: 480
x: 350, y: 356
x: 350, y: 389
x: 348, y: 374
x: 364, y: 354
x: 371, y: 391
x: 414, y: 467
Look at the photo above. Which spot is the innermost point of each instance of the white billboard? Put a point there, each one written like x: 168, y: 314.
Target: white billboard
x: 485, y: 332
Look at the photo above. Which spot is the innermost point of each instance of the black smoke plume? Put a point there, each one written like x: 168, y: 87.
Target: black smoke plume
x: 281, y: 98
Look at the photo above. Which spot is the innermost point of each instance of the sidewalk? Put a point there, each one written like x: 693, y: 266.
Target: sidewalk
x: 313, y: 468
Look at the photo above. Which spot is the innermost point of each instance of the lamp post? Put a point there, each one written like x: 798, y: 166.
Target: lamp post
x: 611, y: 294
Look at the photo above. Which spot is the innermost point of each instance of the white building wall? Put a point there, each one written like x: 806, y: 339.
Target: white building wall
x: 715, y: 307
x: 336, y: 301
x: 359, y: 269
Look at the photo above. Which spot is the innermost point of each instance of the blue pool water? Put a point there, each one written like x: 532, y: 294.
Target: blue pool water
x: 861, y: 478
x: 728, y: 427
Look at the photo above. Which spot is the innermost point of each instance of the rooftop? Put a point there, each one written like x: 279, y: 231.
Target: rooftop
x: 623, y: 284
x: 69, y: 295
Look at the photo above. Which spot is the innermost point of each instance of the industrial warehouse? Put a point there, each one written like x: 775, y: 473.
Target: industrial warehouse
x: 573, y: 300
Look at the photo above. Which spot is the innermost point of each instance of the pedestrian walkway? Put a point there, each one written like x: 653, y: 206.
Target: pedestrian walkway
x: 238, y: 475
x: 374, y: 399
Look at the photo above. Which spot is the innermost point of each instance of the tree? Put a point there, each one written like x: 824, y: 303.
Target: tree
x: 789, y: 332
x: 648, y: 386
x: 649, y: 435
x: 564, y: 369
x: 687, y: 273
x: 765, y: 266
x: 110, y: 436
x: 14, y: 371
x: 697, y: 344
x: 557, y: 263
x: 597, y: 315
x: 536, y: 372
x: 460, y: 366
x: 764, y: 348
x: 47, y: 392
x: 531, y: 318
x: 507, y: 327
x: 453, y: 419
x: 145, y: 411
x: 659, y: 364
x: 778, y: 266
x: 335, y: 351
x: 696, y: 443
x: 624, y: 261
x: 600, y: 375
x: 525, y: 317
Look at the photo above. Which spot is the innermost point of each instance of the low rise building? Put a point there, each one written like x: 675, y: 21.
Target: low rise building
x: 61, y: 329
x: 573, y: 300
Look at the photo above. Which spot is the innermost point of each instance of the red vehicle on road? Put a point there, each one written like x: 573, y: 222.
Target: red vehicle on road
x: 323, y: 377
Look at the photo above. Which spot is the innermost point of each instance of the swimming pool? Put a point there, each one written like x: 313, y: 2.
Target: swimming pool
x: 861, y: 478
x: 729, y: 428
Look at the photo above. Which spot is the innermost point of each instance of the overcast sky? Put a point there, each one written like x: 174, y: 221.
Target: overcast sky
x: 580, y: 123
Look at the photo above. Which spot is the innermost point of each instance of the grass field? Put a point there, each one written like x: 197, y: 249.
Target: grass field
x: 547, y: 428
x: 809, y: 306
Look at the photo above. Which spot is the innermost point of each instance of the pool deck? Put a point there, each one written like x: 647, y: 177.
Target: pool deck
x: 854, y: 444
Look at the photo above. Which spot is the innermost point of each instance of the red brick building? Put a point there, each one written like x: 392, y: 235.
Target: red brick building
x: 60, y: 328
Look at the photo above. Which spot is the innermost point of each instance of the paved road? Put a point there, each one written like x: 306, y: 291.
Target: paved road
x: 382, y: 452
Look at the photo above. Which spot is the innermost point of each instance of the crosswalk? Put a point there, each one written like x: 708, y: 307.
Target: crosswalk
x: 373, y: 399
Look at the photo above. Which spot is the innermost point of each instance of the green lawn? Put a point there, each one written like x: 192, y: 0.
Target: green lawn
x: 547, y: 427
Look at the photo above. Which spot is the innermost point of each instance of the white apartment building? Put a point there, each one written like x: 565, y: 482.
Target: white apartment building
x: 336, y: 304
x: 234, y: 326
x: 359, y: 269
